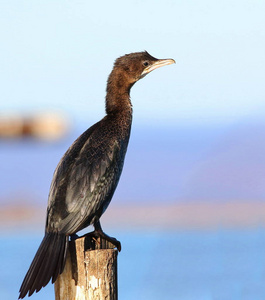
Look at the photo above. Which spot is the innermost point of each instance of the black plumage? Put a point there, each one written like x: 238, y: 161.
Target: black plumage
x: 88, y: 173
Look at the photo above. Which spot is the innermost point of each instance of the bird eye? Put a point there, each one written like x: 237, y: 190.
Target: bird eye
x: 146, y: 63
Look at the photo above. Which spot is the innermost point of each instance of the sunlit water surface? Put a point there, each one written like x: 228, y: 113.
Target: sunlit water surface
x: 187, y: 265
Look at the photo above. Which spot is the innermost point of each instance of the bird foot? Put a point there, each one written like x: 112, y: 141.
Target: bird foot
x: 74, y: 237
x: 100, y: 234
x: 112, y: 240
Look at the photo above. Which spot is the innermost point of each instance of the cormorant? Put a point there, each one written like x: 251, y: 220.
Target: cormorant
x: 88, y: 173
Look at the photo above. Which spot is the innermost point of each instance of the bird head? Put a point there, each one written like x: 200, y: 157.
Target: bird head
x: 137, y: 65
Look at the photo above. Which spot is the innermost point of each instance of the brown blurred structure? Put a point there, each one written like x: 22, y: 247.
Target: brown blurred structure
x: 184, y: 215
x: 45, y: 126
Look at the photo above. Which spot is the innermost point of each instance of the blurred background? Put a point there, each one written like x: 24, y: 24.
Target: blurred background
x: 189, y: 209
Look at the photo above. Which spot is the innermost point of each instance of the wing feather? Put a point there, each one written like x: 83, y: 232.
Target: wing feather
x: 85, y: 180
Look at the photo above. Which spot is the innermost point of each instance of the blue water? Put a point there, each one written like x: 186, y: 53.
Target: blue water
x: 27, y: 165
x: 186, y: 265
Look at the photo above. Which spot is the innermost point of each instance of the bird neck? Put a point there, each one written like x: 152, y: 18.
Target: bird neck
x: 118, y: 94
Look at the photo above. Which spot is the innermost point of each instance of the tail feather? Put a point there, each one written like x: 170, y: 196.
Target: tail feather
x: 62, y: 257
x: 45, y: 268
x: 53, y: 265
x: 48, y: 263
x: 35, y: 266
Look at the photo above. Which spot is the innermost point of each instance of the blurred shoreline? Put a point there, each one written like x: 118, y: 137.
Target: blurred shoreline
x: 47, y: 126
x: 189, y: 215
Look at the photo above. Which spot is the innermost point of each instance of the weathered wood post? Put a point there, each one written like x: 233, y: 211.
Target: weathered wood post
x: 90, y: 272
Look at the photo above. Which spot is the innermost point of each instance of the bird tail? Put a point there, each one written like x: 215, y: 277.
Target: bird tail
x: 47, y: 264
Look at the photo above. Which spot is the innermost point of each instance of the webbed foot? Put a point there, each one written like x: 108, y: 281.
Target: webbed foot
x: 98, y: 233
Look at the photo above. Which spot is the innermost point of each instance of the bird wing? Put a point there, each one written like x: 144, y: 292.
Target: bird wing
x: 84, y: 182
x: 91, y: 186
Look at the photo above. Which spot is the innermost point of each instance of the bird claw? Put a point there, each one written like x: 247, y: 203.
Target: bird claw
x: 110, y: 239
x: 100, y: 234
x: 74, y: 237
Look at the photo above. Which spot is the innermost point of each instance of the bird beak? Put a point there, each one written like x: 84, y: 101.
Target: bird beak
x: 157, y: 64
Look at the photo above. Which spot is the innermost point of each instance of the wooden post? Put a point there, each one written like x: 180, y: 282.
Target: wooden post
x: 90, y: 271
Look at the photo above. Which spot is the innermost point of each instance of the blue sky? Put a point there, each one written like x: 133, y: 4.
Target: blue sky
x: 56, y: 55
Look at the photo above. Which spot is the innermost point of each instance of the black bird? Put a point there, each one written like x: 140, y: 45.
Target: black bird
x: 88, y: 173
